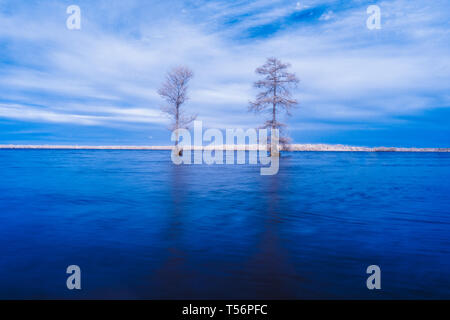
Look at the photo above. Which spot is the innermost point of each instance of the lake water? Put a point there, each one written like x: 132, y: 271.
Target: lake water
x: 140, y: 227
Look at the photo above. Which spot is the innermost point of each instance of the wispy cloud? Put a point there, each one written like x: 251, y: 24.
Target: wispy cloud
x: 108, y: 72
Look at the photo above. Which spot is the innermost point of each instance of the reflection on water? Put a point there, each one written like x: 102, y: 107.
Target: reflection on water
x: 271, y: 264
x: 141, y: 227
x: 171, y: 277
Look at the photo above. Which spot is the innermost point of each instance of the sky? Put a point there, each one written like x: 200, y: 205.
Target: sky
x: 98, y: 85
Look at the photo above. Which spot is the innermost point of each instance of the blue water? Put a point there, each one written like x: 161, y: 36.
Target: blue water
x: 140, y: 227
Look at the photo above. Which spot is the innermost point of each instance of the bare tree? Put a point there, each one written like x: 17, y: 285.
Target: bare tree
x: 275, y: 96
x: 174, y: 92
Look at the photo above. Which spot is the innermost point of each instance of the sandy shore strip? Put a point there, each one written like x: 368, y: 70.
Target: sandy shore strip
x: 293, y: 147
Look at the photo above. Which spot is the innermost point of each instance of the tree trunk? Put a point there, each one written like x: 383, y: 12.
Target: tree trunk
x: 274, y: 118
x: 177, y: 125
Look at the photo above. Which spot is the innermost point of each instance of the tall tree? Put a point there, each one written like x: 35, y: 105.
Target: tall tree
x: 174, y: 92
x: 275, y: 95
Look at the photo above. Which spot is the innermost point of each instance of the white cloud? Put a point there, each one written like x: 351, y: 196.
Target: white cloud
x: 347, y: 71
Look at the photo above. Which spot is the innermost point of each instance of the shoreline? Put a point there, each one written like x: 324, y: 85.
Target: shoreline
x: 293, y: 147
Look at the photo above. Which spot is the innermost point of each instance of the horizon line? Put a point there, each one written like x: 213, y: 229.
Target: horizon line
x: 246, y: 147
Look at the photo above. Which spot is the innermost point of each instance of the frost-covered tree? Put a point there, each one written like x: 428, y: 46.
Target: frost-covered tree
x: 174, y: 92
x: 275, y: 96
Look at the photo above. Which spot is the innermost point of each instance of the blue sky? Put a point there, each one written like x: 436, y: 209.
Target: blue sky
x: 98, y: 85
